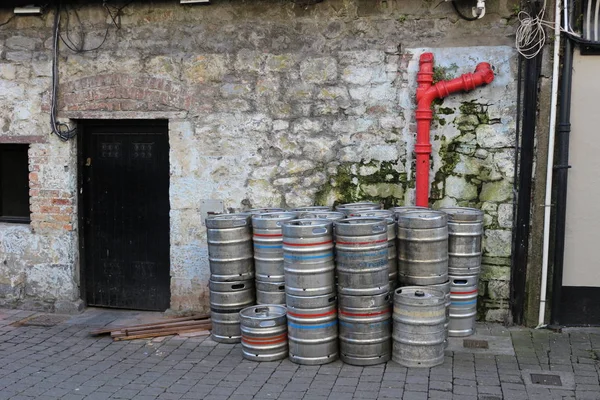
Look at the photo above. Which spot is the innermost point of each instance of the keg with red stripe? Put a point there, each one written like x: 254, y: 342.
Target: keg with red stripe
x: 267, y: 237
x: 463, y: 305
x: 465, y: 233
x: 365, y: 329
x: 308, y: 257
x: 361, y: 256
x: 422, y: 247
x: 229, y: 239
x: 418, y: 332
x: 391, y: 237
x: 312, y: 329
x: 349, y: 208
x: 264, y: 333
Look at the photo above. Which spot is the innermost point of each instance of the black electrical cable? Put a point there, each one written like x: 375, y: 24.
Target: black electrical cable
x: 79, y: 48
x: 62, y: 130
x: 8, y: 20
x: 460, y: 14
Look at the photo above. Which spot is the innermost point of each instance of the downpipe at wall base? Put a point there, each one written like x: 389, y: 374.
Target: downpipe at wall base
x: 427, y: 92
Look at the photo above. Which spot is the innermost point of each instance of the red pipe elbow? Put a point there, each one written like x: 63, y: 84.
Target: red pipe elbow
x: 426, y: 93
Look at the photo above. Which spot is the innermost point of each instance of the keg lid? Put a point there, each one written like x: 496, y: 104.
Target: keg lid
x: 275, y: 219
x: 388, y: 215
x: 364, y: 205
x: 331, y: 215
x: 360, y: 226
x: 227, y: 220
x: 463, y: 214
x: 263, y: 312
x: 419, y: 295
x: 422, y: 219
x: 312, y: 208
x: 402, y: 209
x: 265, y: 210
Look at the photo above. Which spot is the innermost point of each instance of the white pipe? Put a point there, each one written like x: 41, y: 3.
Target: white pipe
x: 588, y: 22
x: 550, y: 164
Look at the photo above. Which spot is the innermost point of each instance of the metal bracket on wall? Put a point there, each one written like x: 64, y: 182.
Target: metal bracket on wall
x: 208, y: 206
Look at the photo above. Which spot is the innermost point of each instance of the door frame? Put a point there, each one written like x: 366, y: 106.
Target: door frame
x: 81, y: 209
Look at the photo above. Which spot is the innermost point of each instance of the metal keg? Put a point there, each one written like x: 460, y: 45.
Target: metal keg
x: 365, y: 329
x: 308, y: 257
x: 391, y: 236
x: 445, y: 287
x: 264, y: 333
x: 312, y: 329
x: 418, y: 331
x: 312, y: 209
x: 422, y: 247
x: 265, y: 210
x: 465, y: 231
x: 268, y: 245
x: 270, y: 292
x: 463, y: 305
x: 348, y: 208
x: 402, y: 209
x: 226, y: 301
x: 361, y: 256
x: 229, y: 239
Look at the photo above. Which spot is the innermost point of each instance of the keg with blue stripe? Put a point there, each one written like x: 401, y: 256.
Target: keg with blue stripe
x: 264, y: 333
x: 391, y: 237
x: 362, y: 256
x: 418, y: 332
x: 229, y: 239
x: 365, y: 329
x: 465, y: 233
x: 267, y: 237
x: 349, y: 208
x: 463, y: 305
x: 227, y: 299
x: 422, y: 247
x: 312, y: 329
x: 308, y: 257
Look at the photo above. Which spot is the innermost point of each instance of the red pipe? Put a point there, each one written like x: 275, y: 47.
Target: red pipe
x: 426, y: 93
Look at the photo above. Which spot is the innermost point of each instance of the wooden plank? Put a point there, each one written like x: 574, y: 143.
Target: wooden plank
x: 158, y: 334
x: 109, y: 329
x: 161, y: 329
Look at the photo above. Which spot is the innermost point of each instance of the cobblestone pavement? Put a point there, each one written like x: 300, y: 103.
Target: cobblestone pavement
x: 64, y: 362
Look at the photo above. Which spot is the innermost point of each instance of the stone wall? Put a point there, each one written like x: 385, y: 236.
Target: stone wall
x: 269, y: 104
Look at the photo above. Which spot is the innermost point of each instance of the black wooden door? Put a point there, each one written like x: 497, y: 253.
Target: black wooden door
x: 125, y: 215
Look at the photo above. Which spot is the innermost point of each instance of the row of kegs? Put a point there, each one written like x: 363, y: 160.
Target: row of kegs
x: 329, y: 266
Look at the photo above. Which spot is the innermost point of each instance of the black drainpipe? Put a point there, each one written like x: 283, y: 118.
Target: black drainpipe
x: 518, y: 275
x: 561, y: 173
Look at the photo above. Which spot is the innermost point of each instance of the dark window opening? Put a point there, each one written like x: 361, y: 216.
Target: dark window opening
x: 14, y: 183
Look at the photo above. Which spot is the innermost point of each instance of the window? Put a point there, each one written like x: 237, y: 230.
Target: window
x: 14, y: 183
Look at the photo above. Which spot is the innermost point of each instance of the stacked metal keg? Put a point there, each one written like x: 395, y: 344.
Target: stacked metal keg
x: 423, y: 274
x: 310, y: 291
x: 267, y: 237
x: 363, y: 290
x: 465, y: 229
x: 231, y: 282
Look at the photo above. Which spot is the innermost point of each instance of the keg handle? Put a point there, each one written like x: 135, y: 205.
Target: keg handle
x: 331, y: 299
x: 241, y: 222
x: 319, y: 230
x: 459, y: 281
x: 262, y: 311
x: 282, y: 287
x: 278, y: 223
x: 266, y: 324
x: 379, y: 228
x: 419, y: 293
x: 238, y: 286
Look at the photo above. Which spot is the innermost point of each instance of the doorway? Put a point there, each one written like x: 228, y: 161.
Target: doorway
x: 124, y: 213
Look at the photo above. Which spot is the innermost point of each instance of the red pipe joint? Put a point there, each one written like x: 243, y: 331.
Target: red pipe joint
x: 426, y: 93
